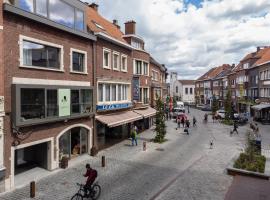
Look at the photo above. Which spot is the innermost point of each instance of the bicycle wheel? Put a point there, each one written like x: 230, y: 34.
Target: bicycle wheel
x: 96, y: 190
x: 77, y: 197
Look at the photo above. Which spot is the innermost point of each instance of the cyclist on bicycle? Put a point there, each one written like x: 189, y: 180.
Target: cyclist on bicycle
x: 91, y: 175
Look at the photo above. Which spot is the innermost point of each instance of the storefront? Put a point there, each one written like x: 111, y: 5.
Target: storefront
x: 114, y: 127
x: 148, y: 118
x: 261, y: 113
x: 73, y: 143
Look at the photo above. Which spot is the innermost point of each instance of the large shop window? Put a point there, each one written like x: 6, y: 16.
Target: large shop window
x: 40, y: 55
x: 57, y: 11
x: 113, y: 92
x: 48, y: 104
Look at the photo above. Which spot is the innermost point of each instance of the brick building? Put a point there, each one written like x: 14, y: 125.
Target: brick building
x: 48, y: 64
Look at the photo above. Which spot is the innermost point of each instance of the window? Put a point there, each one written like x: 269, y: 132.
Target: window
x: 79, y: 24
x: 106, y: 58
x: 246, y: 65
x: 100, y: 92
x: 78, y: 61
x: 57, y: 11
x: 136, y: 44
x: 114, y: 92
x: 191, y: 90
x: 145, y: 68
x: 186, y: 90
x: 86, y: 101
x: 116, y: 62
x: 124, y: 63
x: 40, y: 54
x: 27, y: 5
x: 41, y: 7
x: 75, y: 101
x: 107, y: 92
x: 176, y: 89
x: 145, y: 96
x: 52, y: 103
x: 138, y: 67
x: 32, y: 103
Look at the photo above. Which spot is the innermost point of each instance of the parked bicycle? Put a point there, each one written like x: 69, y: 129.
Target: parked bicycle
x: 92, y: 193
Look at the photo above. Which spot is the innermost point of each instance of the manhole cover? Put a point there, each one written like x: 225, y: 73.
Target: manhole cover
x: 160, y: 149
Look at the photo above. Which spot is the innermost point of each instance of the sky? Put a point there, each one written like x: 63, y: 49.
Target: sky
x: 192, y: 36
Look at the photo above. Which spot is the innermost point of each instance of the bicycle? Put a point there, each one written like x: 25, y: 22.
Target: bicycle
x: 93, y: 193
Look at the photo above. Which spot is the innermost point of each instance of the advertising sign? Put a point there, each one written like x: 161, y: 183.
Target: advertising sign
x: 113, y: 106
x: 64, y: 102
x: 136, y: 88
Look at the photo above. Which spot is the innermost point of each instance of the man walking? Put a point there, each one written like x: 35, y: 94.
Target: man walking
x: 235, y: 127
x: 194, y: 121
x: 134, y: 137
x: 178, y: 122
x: 183, y: 121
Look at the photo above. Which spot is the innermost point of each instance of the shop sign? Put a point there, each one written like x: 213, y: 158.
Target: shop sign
x: 64, y: 102
x: 136, y: 88
x: 113, y: 106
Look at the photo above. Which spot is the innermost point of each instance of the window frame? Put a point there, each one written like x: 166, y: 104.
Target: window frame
x: 72, y: 50
x: 109, y: 57
x: 23, y: 38
x: 144, y: 68
x: 126, y: 57
x: 118, y: 61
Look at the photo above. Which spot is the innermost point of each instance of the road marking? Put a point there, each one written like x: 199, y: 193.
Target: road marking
x: 165, y: 187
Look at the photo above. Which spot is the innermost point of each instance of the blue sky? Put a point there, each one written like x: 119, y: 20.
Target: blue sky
x: 196, y: 3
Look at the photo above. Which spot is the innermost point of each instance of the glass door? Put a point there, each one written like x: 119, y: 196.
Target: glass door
x: 84, y: 140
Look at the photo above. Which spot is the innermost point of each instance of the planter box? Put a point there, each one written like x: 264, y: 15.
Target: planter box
x: 64, y: 163
x: 234, y: 171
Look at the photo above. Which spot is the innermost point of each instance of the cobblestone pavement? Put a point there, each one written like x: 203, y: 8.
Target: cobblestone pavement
x: 184, y: 167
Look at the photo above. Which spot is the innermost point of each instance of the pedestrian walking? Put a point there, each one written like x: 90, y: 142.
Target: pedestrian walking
x: 211, y: 144
x: 256, y: 129
x: 170, y: 115
x: 194, y: 121
x: 205, y: 118
x: 183, y: 122
x: 187, y: 124
x: 134, y: 137
x: 235, y: 126
x: 178, y: 122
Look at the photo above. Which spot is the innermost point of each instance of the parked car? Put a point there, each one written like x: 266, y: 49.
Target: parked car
x: 221, y: 114
x: 177, y: 111
x: 206, y: 108
x: 241, y: 119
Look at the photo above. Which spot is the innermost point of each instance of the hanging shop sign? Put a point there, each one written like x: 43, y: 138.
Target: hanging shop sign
x: 113, y: 106
x: 136, y: 88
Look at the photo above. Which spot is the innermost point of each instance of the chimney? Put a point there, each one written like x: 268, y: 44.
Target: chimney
x: 258, y: 49
x: 94, y: 6
x: 130, y: 27
x: 115, y: 22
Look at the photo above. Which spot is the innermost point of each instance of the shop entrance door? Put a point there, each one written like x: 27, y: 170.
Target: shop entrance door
x: 31, y: 157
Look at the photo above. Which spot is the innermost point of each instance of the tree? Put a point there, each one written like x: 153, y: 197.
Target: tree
x: 215, y: 105
x: 228, y: 105
x: 160, y: 122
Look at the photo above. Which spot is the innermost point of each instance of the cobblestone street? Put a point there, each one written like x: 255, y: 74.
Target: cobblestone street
x: 184, y: 167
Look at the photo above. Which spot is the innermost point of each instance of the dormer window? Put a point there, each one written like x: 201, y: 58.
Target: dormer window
x: 99, y: 26
x: 246, y: 65
x: 136, y: 44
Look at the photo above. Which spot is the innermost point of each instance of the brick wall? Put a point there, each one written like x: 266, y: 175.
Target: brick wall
x: 14, y: 26
x: 145, y: 81
x: 1, y: 50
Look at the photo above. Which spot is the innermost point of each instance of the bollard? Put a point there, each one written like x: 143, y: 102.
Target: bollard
x: 144, y: 146
x: 103, y: 161
x: 32, y: 189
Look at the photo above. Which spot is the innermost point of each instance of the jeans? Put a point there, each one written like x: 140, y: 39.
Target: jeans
x: 134, y: 140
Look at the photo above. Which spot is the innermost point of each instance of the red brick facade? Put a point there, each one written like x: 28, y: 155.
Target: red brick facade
x: 1, y: 50
x: 16, y: 26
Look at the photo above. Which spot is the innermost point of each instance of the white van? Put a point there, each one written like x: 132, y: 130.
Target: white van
x: 180, y: 104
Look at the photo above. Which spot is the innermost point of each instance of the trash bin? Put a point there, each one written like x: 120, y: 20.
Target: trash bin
x: 64, y: 162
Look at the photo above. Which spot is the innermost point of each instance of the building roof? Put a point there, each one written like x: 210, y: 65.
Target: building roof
x: 187, y: 82
x: 214, y: 72
x: 98, y: 24
x: 206, y: 75
x: 264, y: 57
x: 259, y: 55
x: 153, y: 61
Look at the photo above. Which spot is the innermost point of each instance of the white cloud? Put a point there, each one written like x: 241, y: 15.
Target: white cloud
x: 191, y: 40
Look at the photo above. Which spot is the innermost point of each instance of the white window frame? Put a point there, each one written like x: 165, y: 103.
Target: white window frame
x: 126, y: 58
x: 144, y: 69
x: 30, y: 39
x: 117, y: 68
x: 104, y: 102
x: 71, y: 61
x: 103, y: 58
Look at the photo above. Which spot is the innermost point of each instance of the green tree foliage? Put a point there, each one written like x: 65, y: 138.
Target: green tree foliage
x: 215, y: 105
x: 228, y: 105
x: 160, y: 122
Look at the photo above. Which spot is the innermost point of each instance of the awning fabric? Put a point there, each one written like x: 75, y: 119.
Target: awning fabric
x: 117, y: 119
x: 148, y: 112
x: 260, y: 106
